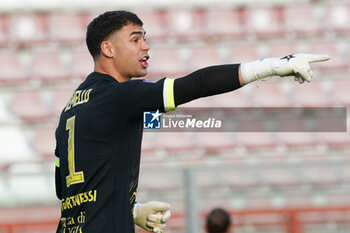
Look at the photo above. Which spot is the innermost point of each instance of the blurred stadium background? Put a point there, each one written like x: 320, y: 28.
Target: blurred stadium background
x: 270, y: 182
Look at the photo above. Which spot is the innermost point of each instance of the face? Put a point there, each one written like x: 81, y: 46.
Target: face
x: 129, y: 51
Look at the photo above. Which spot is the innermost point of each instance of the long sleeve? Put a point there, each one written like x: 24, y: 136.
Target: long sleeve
x: 208, y: 81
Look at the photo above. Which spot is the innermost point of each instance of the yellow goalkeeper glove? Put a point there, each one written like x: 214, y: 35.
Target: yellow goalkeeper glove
x: 152, y: 216
x: 297, y: 65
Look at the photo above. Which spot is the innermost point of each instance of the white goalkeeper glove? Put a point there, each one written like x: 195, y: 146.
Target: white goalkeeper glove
x: 151, y: 216
x: 296, y: 65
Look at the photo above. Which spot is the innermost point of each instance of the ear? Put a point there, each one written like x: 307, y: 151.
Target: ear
x: 107, y: 49
x: 230, y: 229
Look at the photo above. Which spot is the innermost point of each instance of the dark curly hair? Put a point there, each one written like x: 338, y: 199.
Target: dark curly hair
x: 218, y: 221
x: 104, y: 25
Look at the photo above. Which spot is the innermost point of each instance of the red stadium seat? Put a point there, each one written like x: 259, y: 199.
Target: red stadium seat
x: 225, y: 23
x: 291, y: 122
x: 250, y: 122
x: 82, y: 64
x: 310, y: 95
x: 345, y: 169
x: 201, y: 57
x: 243, y: 53
x: 261, y: 202
x: 279, y: 177
x: 335, y: 140
x: 265, y: 22
x: 253, y: 134
x: 256, y: 141
x: 186, y: 24
x: 60, y: 100
x: 299, y: 201
x: 341, y: 200
x: 12, y: 71
x: 322, y: 175
x: 303, y: 20
x: 207, y: 180
x: 14, y: 145
x: 29, y: 106
x: 67, y: 28
x: 294, y: 133
x: 269, y: 94
x: 157, y: 181
x: 48, y: 67
x: 239, y: 178
x: 4, y: 37
x: 166, y: 62
x: 174, y: 142
x: 215, y: 142
x: 338, y: 61
x: 338, y: 17
x: 340, y: 92
x: 28, y: 29
x: 208, y: 204
x: 282, y: 49
x: 44, y: 142
x: 88, y: 17
x: 148, y: 145
x: 154, y: 24
x: 297, y: 140
x: 5, y: 115
x: 235, y: 99
x: 330, y: 120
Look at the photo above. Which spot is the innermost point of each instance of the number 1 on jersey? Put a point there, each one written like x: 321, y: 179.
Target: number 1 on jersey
x: 74, y: 177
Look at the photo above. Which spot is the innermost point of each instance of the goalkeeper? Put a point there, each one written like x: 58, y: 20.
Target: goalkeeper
x: 100, y: 129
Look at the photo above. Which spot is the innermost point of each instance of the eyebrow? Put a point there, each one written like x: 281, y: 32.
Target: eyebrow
x: 138, y: 33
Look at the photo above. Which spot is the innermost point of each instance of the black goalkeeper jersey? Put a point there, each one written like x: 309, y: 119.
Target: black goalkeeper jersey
x: 98, y: 151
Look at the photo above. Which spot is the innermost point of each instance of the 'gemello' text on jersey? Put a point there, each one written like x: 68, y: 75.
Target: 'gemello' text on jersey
x: 79, y: 97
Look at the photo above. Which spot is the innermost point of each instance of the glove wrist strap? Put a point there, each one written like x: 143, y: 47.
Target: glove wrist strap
x: 260, y: 69
x: 134, y: 212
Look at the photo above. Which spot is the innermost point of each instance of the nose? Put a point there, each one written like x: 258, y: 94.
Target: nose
x: 145, y: 46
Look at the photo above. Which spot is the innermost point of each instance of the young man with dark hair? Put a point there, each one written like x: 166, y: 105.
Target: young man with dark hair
x: 218, y: 221
x: 100, y: 129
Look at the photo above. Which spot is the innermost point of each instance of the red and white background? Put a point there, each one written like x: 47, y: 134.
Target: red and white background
x: 296, y: 182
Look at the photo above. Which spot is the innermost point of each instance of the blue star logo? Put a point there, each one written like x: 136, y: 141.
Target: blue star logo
x: 151, y: 120
x: 156, y: 116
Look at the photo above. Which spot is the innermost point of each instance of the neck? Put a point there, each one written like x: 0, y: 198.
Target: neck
x: 106, y: 67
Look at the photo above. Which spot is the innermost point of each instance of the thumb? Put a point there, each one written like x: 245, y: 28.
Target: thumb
x: 303, y: 74
x: 166, y: 216
x: 317, y: 57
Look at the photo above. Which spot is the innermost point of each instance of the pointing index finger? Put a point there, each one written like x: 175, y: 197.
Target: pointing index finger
x: 317, y: 57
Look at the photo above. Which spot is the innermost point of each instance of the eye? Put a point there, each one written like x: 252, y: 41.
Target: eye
x: 135, y: 40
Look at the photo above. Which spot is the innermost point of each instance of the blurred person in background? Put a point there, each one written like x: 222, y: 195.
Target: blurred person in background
x: 100, y: 129
x: 218, y: 221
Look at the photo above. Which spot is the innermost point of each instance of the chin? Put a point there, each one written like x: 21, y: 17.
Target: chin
x: 140, y: 75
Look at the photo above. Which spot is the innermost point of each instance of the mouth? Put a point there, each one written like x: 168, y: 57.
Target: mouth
x: 144, y: 62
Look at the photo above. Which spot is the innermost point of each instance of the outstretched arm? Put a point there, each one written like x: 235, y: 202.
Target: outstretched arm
x: 224, y: 78
x: 208, y: 81
x: 167, y: 93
